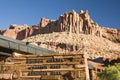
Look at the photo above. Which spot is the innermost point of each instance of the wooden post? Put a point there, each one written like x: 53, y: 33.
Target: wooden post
x: 86, y: 67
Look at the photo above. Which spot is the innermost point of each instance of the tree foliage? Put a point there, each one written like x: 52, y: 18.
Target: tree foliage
x: 110, y: 73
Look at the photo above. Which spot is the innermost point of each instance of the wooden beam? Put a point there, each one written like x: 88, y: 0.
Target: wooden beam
x: 49, y: 70
x: 51, y: 63
x: 30, y: 76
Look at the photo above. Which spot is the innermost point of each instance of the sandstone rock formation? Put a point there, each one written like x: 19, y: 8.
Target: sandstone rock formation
x: 68, y: 22
x: 78, y: 23
x: 2, y: 31
x: 111, y: 34
x: 14, y: 31
x: 10, y: 33
x: 71, y: 22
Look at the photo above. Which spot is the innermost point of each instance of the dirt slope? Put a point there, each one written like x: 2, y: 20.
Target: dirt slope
x: 64, y: 42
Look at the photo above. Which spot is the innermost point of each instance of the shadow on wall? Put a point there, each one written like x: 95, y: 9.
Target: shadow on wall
x: 68, y: 76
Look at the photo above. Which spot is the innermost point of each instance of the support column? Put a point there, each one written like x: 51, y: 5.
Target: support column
x: 86, y: 67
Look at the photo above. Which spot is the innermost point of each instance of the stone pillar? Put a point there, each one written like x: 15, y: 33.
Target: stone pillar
x: 71, y: 24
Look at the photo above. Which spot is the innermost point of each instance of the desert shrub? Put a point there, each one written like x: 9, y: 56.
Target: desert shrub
x: 110, y: 73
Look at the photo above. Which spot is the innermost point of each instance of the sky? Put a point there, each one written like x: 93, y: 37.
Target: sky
x: 104, y: 12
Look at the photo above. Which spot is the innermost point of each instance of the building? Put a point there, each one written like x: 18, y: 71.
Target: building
x: 23, y: 61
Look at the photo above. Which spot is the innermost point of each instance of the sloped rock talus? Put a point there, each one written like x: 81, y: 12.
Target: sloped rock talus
x: 62, y: 42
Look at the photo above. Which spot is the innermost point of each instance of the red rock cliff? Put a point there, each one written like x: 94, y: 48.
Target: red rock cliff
x: 68, y: 22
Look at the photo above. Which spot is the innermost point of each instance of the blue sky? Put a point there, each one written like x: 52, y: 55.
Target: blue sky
x: 104, y: 12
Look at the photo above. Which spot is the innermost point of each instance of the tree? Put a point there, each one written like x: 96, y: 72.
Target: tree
x: 110, y: 73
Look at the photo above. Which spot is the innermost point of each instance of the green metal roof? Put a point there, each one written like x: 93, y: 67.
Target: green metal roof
x: 18, y: 45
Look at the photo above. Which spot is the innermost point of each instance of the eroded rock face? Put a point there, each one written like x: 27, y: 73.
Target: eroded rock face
x: 2, y: 31
x: 14, y: 30
x: 78, y: 23
x: 10, y: 33
x: 45, y: 22
x: 29, y: 31
x: 71, y: 22
x: 68, y: 22
x: 111, y: 34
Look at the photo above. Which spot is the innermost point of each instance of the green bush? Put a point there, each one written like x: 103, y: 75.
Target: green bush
x: 110, y: 73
